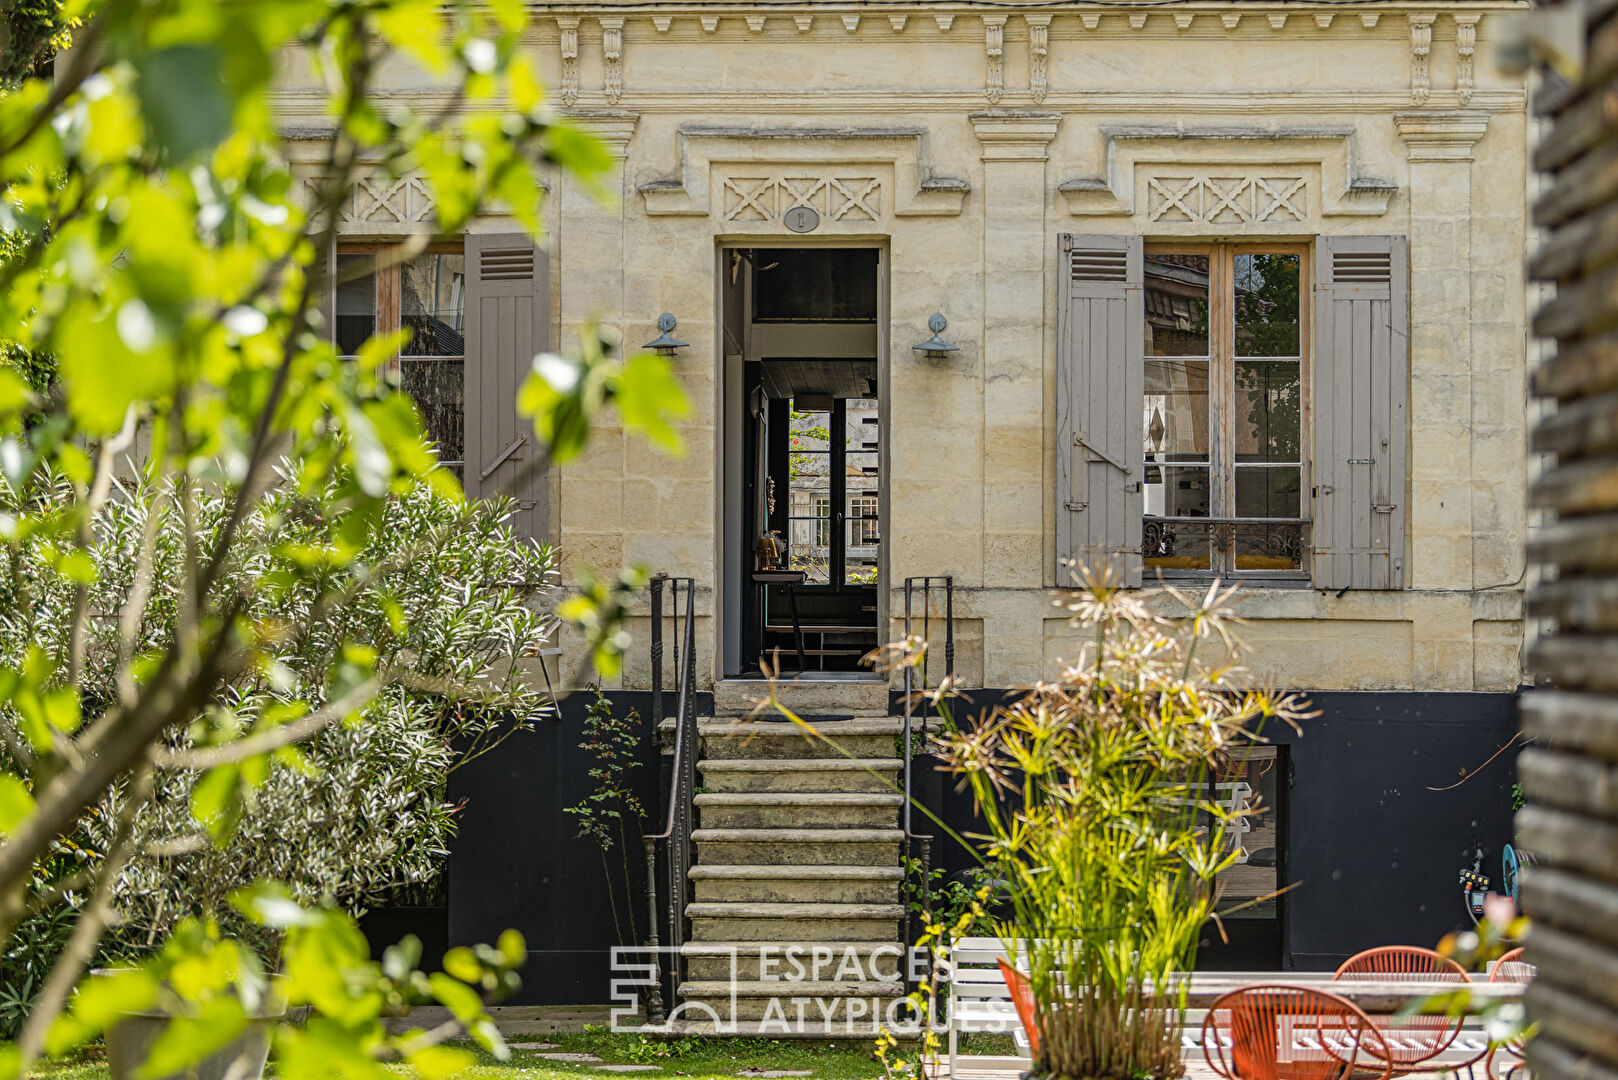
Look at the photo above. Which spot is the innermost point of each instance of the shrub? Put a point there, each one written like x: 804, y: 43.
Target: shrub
x: 436, y: 592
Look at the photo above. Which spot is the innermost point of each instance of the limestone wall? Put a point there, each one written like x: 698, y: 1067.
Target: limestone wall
x: 964, y: 140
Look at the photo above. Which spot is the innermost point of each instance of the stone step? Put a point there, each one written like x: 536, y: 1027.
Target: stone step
x: 798, y: 884
x: 795, y: 1003
x: 798, y: 847
x: 813, y: 961
x: 800, y: 810
x: 712, y: 921
x: 859, y: 737
x: 739, y: 697
x: 822, y: 775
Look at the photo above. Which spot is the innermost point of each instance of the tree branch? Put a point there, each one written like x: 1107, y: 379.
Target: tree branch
x: 275, y: 738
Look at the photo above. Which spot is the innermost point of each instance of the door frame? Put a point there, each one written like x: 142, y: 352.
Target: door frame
x: 730, y: 590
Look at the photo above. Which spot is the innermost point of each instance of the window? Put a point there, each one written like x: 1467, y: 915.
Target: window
x: 1222, y: 425
x: 427, y: 294
x: 862, y: 516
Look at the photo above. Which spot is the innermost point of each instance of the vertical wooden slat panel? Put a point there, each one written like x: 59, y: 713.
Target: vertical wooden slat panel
x: 1100, y: 384
x: 507, y: 323
x: 1361, y: 386
x: 1570, y: 822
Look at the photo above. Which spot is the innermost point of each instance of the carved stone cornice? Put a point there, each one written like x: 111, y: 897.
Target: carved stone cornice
x: 1285, y: 179
x: 612, y: 56
x: 854, y: 178
x: 1015, y: 136
x: 1466, y: 44
x: 1039, y: 47
x: 994, y: 40
x: 1421, y: 47
x: 569, y: 45
x: 1441, y: 136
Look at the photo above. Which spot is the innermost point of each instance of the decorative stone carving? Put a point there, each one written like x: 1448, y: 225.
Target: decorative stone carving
x: 1207, y: 181
x: 994, y: 36
x: 1278, y: 20
x: 898, y: 22
x: 1421, y: 47
x: 755, y: 23
x: 767, y: 198
x: 1090, y: 20
x: 1369, y: 19
x: 662, y: 23
x: 1231, y: 19
x: 852, y: 177
x: 1466, y: 44
x: 804, y: 22
x: 851, y: 23
x: 612, y: 53
x: 1039, y: 36
x: 1137, y: 20
x: 569, y: 27
x: 1184, y: 19
x: 377, y: 203
x: 1211, y: 199
x: 944, y: 22
x: 1323, y: 19
x: 710, y: 23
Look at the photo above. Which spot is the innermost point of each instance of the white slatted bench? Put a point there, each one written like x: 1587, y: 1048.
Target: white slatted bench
x: 979, y: 1000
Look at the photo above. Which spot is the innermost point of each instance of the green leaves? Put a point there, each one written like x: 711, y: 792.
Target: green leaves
x: 184, y: 98
x: 563, y: 395
x: 16, y: 803
x: 599, y: 609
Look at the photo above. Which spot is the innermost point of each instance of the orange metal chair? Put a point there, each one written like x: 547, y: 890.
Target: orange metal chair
x: 1510, y: 968
x: 1280, y: 1032
x: 1413, y: 1042
x: 1022, y: 996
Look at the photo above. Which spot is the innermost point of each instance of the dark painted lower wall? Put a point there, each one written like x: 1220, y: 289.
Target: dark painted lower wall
x: 1374, y: 850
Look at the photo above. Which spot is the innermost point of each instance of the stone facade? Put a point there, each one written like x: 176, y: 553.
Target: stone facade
x: 963, y: 140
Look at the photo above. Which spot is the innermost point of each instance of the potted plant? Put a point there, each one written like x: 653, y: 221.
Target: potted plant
x: 1093, y: 790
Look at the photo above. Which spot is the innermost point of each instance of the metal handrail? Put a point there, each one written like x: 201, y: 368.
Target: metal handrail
x: 676, y: 834
x: 919, y: 848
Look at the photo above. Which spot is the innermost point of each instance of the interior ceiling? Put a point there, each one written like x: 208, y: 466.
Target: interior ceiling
x: 838, y: 378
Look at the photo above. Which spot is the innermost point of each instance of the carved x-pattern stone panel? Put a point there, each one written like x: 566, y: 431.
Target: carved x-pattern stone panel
x: 386, y: 205
x: 767, y: 198
x: 1227, y: 200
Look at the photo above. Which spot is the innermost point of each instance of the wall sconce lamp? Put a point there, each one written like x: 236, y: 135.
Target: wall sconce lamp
x: 935, y: 347
x: 666, y: 343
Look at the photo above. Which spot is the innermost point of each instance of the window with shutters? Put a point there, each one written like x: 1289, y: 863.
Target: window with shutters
x: 426, y: 293
x: 1223, y: 421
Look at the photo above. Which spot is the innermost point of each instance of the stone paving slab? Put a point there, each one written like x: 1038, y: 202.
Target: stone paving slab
x: 533, y: 1045
x: 631, y: 1068
x: 588, y: 1059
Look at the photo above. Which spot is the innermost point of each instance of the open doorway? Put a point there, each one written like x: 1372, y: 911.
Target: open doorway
x: 803, y: 460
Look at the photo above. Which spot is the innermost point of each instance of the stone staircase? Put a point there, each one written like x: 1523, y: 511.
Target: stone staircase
x: 796, y: 916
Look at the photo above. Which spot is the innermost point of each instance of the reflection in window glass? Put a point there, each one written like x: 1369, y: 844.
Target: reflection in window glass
x: 809, y: 482
x: 1176, y: 491
x: 1269, y: 405
x: 1267, y: 491
x: 355, y: 301
x: 1266, y: 307
x: 432, y: 368
x: 1176, y: 305
x: 1175, y: 424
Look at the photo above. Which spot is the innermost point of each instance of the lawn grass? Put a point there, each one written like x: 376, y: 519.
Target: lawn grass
x: 695, y: 1058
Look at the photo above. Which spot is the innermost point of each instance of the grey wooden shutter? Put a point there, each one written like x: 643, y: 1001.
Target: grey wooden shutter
x: 1361, y: 380
x: 507, y: 322
x: 1100, y: 388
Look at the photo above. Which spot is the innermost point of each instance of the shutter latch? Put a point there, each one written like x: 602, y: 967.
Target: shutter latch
x: 1384, y: 508
x: 1362, y: 461
x: 1076, y: 506
x: 488, y: 471
x: 1082, y: 439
